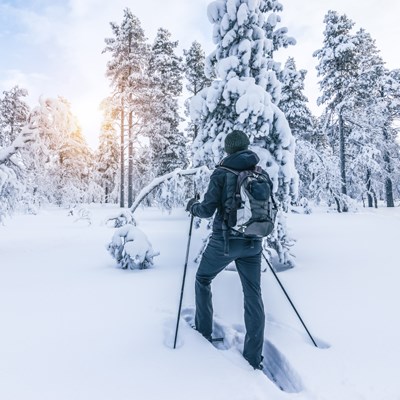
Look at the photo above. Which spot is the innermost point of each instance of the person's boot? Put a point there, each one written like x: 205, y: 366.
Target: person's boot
x: 259, y: 365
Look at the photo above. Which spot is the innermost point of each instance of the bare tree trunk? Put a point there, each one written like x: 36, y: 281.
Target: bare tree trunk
x: 342, y: 155
x: 369, y: 192
x: 337, y: 201
x: 389, y: 170
x: 389, y: 193
x: 342, y: 151
x: 130, y: 160
x: 130, y: 138
x: 122, y: 183
x: 375, y: 199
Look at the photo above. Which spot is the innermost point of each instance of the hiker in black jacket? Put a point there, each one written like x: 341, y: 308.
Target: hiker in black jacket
x: 245, y: 252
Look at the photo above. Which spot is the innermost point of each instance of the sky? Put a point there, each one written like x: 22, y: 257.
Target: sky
x: 54, y: 47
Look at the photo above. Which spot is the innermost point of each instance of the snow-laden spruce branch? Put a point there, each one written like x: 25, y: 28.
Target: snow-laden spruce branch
x: 20, y: 142
x: 177, y: 173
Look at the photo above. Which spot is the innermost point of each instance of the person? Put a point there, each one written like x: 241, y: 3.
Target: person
x: 244, y: 251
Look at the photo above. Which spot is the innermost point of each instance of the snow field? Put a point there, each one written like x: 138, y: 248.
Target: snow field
x: 75, y: 327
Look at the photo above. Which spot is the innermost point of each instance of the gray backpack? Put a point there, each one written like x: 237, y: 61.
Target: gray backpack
x: 251, y: 210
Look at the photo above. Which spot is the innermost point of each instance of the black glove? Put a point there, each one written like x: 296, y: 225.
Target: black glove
x: 190, y: 204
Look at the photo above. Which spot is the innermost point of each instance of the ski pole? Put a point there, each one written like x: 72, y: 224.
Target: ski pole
x: 183, y: 280
x: 290, y: 301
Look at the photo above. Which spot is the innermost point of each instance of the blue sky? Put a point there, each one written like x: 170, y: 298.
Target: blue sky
x: 54, y: 47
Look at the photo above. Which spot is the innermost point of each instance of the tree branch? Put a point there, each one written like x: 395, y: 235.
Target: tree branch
x: 20, y: 141
x: 162, y: 179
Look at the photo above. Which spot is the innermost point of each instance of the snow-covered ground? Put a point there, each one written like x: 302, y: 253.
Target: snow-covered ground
x: 74, y: 327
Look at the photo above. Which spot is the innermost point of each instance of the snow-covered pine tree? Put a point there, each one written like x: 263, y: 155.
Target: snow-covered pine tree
x: 39, y: 156
x: 75, y: 160
x: 245, y: 96
x: 13, y: 117
x: 389, y: 103
x: 12, y: 175
x: 127, y: 71
x: 301, y: 121
x: 293, y: 101
x: 167, y: 142
x: 107, y: 160
x: 365, y: 138
x: 322, y: 165
x: 196, y: 80
x: 142, y: 168
x: 338, y: 71
x: 58, y: 157
x: 13, y: 114
x: 372, y: 104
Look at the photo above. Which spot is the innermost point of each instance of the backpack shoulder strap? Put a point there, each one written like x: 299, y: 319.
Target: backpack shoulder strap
x: 259, y: 170
x: 229, y: 169
x: 273, y: 201
x: 241, y: 175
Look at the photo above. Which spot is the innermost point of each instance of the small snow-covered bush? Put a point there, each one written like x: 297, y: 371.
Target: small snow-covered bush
x: 81, y: 214
x: 305, y: 204
x: 131, y: 248
x: 123, y: 218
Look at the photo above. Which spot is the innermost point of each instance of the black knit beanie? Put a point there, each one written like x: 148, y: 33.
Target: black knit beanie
x: 236, y: 141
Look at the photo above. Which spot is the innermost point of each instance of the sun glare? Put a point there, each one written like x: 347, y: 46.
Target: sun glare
x: 89, y: 117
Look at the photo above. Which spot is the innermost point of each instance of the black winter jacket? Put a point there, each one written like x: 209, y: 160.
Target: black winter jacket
x: 217, y: 191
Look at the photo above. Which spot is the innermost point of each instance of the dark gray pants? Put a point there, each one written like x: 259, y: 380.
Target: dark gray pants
x: 247, y: 256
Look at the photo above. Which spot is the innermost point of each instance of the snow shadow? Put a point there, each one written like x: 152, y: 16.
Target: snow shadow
x: 276, y: 366
x: 279, y: 371
x: 322, y: 345
x: 300, y: 332
x: 169, y: 334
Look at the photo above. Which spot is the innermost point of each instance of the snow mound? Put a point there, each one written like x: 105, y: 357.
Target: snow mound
x: 131, y: 248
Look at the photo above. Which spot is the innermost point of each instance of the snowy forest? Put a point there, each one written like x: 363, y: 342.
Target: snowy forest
x: 89, y: 315
x: 167, y: 115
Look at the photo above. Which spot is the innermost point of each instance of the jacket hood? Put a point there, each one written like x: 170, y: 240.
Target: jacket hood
x: 241, y: 160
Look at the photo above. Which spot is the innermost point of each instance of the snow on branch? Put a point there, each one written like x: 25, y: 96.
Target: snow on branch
x: 129, y: 245
x: 165, y: 178
x: 20, y: 142
x: 131, y: 248
x: 124, y: 217
x: 27, y: 135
